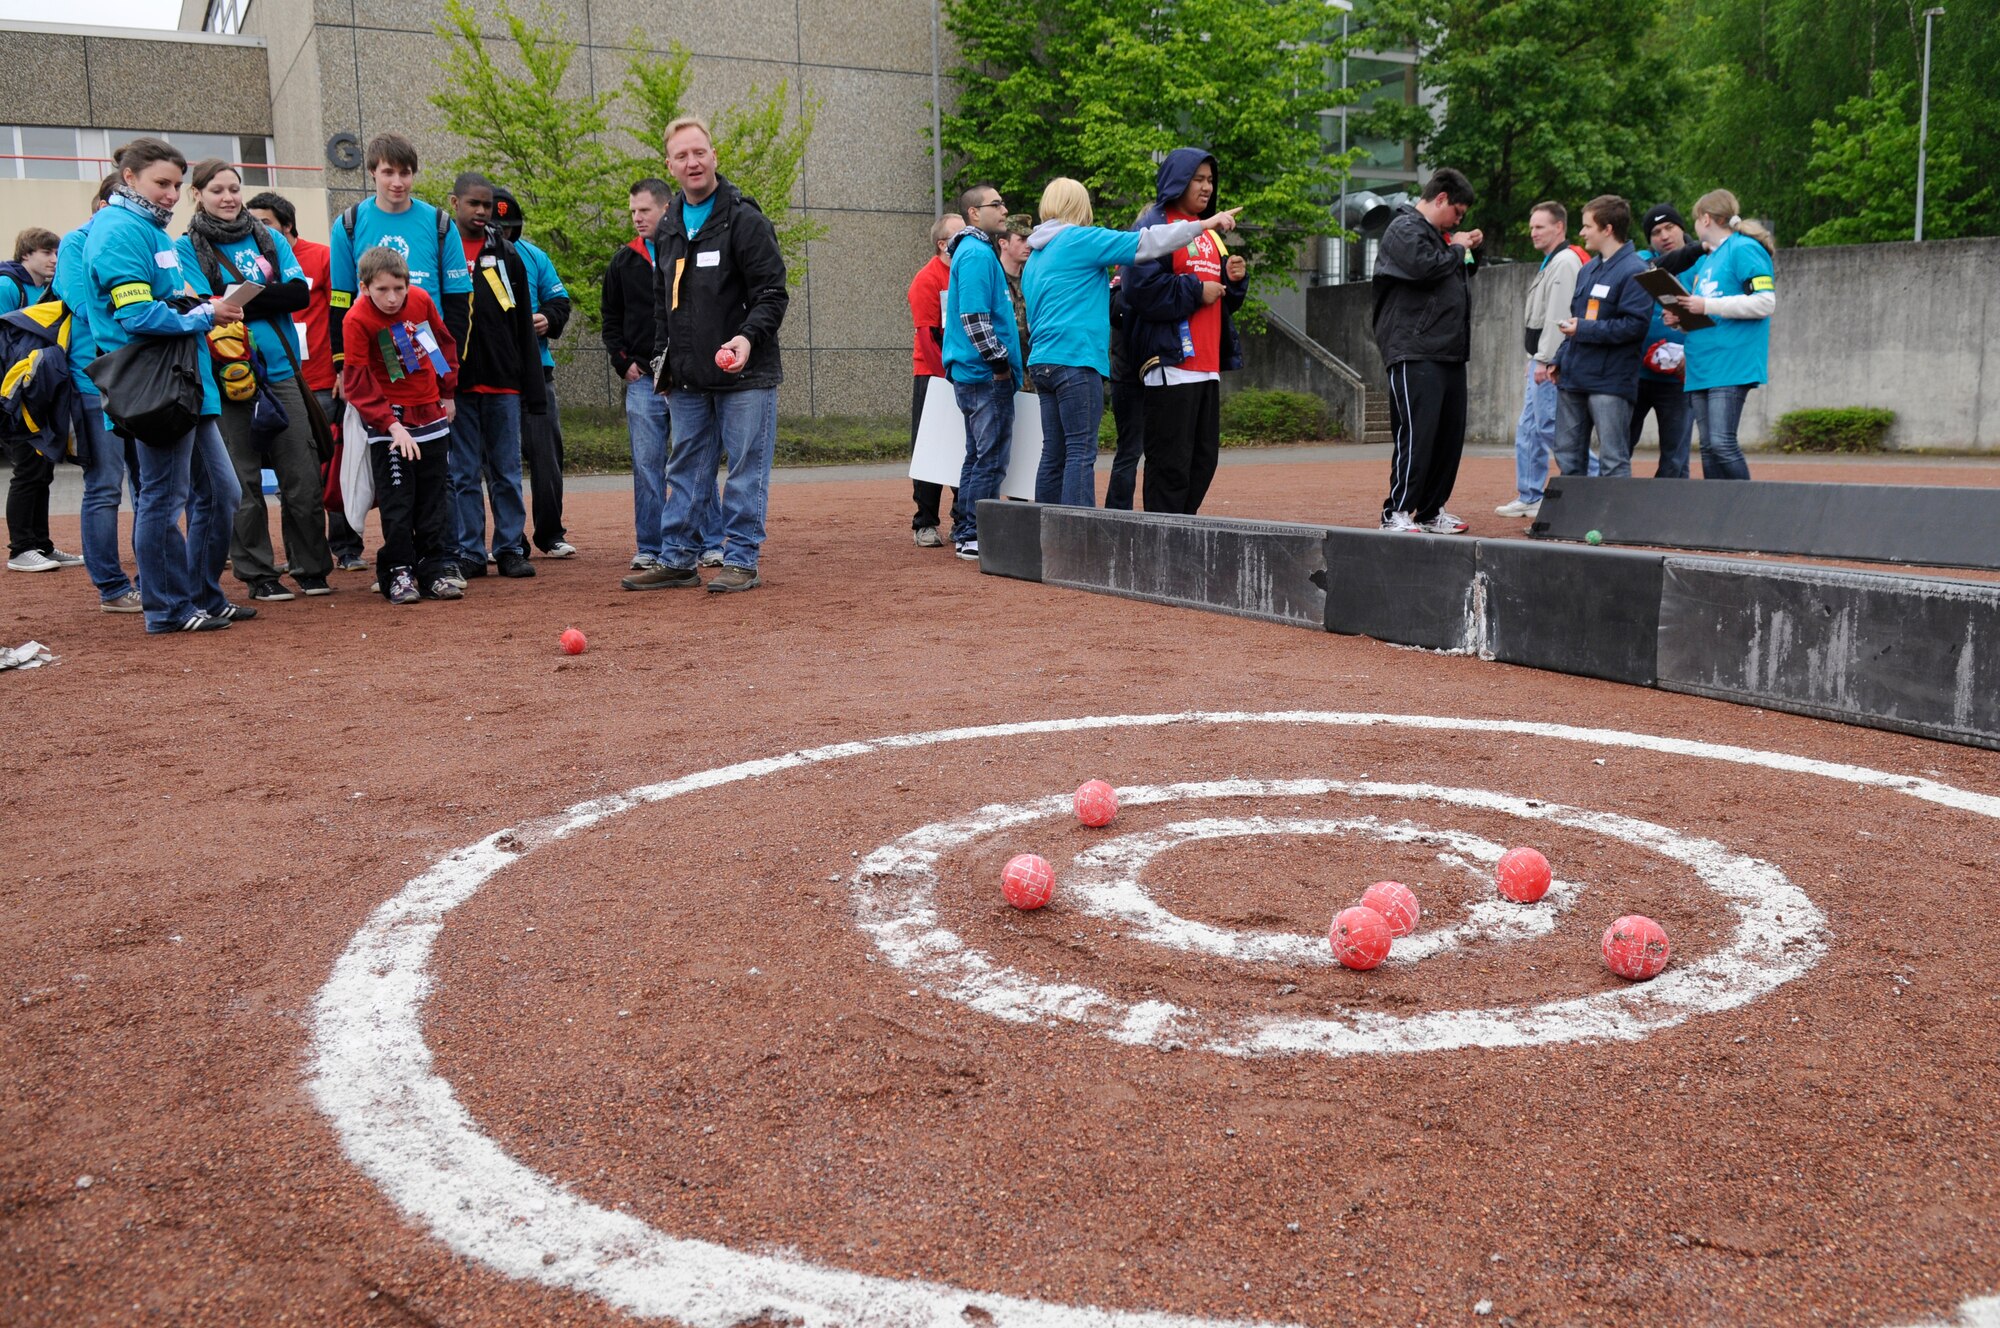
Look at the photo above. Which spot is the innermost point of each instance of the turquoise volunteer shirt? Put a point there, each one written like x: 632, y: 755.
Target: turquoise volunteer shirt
x: 543, y: 284
x: 1067, y: 289
x: 14, y: 295
x: 73, y: 289
x: 131, y: 265
x: 439, y: 269
x: 1736, y: 351
x: 694, y: 216
x: 273, y: 336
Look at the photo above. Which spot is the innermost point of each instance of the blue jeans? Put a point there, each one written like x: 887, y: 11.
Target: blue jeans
x: 103, y: 478
x: 988, y: 408
x: 1669, y: 404
x: 1534, y: 437
x: 180, y: 577
x: 486, y: 445
x: 650, y: 426
x: 1072, y: 401
x: 1719, y: 410
x: 741, y: 427
x: 1577, y: 413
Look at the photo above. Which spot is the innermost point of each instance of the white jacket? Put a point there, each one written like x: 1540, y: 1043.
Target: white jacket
x: 1548, y: 301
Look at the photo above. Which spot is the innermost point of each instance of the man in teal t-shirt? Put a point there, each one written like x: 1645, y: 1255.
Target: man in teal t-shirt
x: 395, y: 218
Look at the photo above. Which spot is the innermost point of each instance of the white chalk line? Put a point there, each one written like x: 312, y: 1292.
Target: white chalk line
x: 1778, y: 936
x: 404, y: 1128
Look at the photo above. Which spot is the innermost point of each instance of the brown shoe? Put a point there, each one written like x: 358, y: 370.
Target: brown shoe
x: 662, y: 578
x: 732, y: 578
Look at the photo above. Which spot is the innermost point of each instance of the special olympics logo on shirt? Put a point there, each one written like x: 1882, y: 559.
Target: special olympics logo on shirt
x: 399, y: 244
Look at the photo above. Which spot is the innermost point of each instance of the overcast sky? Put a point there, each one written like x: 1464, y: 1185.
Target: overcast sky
x: 113, y: 13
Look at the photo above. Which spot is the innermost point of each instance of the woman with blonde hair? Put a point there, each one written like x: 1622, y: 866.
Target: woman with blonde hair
x: 1734, y: 284
x: 1067, y: 285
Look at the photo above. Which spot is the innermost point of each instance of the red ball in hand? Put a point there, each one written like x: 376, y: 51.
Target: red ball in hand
x: 725, y: 359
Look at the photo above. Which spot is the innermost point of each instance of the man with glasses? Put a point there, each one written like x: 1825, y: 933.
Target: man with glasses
x: 1423, y: 327
x: 982, y: 357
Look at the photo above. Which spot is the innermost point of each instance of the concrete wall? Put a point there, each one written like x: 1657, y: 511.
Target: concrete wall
x: 366, y: 66
x: 1907, y: 327
x: 112, y: 79
x: 63, y: 205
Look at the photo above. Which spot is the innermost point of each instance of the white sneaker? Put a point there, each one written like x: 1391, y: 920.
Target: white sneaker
x: 561, y: 549
x: 712, y: 558
x: 1444, y: 523
x: 32, y: 560
x: 1518, y: 508
x: 1400, y: 522
x: 645, y: 562
x: 66, y: 559
x: 968, y: 550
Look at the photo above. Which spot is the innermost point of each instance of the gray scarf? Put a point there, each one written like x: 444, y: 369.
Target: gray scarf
x: 144, y: 206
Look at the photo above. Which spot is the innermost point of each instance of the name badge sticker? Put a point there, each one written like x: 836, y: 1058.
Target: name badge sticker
x: 166, y: 258
x: 711, y: 258
x: 1599, y: 291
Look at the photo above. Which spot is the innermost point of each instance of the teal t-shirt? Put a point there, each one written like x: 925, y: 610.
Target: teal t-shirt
x: 73, y: 289
x: 1067, y: 289
x: 131, y: 265
x: 543, y: 284
x: 1736, y: 351
x: 273, y: 336
x: 14, y: 295
x: 438, y: 268
x: 694, y: 216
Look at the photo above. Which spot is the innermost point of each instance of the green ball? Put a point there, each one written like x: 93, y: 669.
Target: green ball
x: 1594, y: 537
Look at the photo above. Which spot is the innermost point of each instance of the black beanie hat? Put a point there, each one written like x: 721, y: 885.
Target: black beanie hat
x: 1658, y: 213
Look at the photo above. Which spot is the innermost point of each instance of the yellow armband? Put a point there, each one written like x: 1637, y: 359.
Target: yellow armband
x: 131, y: 292
x: 339, y: 299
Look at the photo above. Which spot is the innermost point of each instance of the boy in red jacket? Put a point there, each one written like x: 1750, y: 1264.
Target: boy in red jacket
x: 400, y: 373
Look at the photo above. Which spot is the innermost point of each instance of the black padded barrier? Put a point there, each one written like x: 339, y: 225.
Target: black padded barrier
x: 1252, y: 569
x: 1010, y: 539
x: 1413, y: 590
x: 1885, y: 523
x: 1594, y: 612
x: 1915, y: 655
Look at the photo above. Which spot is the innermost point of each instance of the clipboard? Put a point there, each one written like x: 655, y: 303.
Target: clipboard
x: 1667, y: 291
x: 243, y: 292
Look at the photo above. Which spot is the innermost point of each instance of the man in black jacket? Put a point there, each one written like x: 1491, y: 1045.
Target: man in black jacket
x: 499, y: 375
x: 1423, y: 327
x: 718, y: 300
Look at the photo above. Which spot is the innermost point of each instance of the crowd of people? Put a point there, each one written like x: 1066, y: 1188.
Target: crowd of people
x: 407, y: 364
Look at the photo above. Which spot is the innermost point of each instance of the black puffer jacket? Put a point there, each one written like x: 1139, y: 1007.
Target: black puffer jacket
x: 1423, y: 293
x: 729, y: 281
x: 626, y: 313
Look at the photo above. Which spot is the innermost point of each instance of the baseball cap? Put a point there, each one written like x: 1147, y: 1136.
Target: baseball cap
x: 506, y: 210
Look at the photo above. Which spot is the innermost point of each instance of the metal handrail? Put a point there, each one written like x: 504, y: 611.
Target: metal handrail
x: 1327, y: 358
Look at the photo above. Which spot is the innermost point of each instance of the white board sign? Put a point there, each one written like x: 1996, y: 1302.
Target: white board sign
x: 940, y: 450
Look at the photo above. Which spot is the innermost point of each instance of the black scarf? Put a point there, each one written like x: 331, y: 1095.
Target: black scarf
x: 209, y: 233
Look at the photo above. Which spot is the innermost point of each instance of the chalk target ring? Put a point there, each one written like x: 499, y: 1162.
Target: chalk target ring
x: 404, y: 1128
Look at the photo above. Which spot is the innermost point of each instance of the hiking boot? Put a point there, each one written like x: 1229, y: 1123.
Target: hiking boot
x: 927, y: 537
x: 662, y: 578
x: 126, y: 603
x: 515, y: 564
x: 403, y: 587
x: 271, y: 591
x: 733, y: 578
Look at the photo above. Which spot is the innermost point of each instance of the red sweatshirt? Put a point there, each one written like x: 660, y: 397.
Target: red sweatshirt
x: 366, y: 380
x: 317, y: 366
x: 927, y: 316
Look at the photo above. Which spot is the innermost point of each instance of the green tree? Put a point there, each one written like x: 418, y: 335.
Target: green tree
x: 1100, y: 91
x: 758, y: 145
x: 1562, y: 99
x: 1865, y: 164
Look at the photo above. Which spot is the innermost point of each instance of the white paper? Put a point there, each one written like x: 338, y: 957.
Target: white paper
x: 242, y: 293
x: 940, y: 452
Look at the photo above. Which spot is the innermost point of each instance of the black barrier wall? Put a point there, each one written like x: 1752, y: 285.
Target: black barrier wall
x: 1915, y: 655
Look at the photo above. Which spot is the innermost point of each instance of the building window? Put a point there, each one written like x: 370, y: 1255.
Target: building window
x: 38, y: 152
x: 225, y: 16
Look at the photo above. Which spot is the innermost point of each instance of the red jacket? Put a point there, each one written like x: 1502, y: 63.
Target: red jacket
x: 317, y: 365
x: 927, y: 315
x: 366, y: 380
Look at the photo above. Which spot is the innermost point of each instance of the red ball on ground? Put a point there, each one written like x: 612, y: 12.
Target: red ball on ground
x: 1636, y: 947
x: 572, y: 642
x: 1360, y: 937
x: 1027, y: 882
x: 1397, y: 905
x: 1523, y: 875
x: 1096, y: 802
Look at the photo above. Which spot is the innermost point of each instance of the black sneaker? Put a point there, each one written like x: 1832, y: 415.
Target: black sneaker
x: 514, y: 563
x: 471, y: 567
x: 271, y: 592
x: 313, y: 585
x: 202, y: 622
x: 237, y: 612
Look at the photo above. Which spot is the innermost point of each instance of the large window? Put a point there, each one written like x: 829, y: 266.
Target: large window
x: 37, y: 152
x: 225, y: 16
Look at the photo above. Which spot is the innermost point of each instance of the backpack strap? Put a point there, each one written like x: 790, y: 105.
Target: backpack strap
x: 349, y: 215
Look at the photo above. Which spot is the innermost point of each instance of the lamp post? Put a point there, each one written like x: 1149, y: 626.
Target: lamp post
x: 1924, y: 120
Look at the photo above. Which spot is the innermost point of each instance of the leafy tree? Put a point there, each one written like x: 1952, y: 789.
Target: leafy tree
x: 1865, y: 163
x: 1101, y: 91
x: 1562, y: 99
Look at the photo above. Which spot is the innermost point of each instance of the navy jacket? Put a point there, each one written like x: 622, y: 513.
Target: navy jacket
x: 1603, y: 354
x: 1154, y: 301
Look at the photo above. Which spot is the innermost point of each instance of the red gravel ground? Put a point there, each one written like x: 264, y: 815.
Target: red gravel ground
x: 196, y: 827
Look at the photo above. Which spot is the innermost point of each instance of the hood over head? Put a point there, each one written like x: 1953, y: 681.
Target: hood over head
x: 1177, y: 171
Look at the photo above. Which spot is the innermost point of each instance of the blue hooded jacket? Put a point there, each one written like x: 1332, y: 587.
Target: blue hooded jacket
x: 1155, y: 300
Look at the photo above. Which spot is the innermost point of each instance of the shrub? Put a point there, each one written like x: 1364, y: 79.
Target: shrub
x: 1258, y: 416
x: 1845, y: 429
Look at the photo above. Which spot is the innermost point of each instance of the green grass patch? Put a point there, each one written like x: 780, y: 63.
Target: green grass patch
x: 1843, y: 429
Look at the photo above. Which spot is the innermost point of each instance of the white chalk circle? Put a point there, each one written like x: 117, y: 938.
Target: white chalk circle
x: 404, y: 1128
x: 1778, y: 935
x: 1108, y: 881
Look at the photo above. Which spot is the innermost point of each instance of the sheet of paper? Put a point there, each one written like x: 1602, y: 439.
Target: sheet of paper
x: 940, y: 450
x: 243, y: 292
